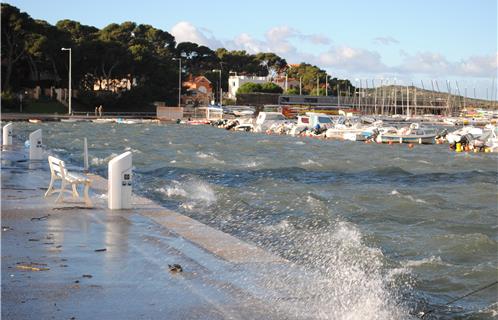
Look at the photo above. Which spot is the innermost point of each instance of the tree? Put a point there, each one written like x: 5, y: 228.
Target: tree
x: 270, y: 87
x: 273, y: 63
x: 250, y: 87
x: 15, y: 30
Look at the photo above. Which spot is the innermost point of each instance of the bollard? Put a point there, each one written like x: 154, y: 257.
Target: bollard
x: 35, y: 145
x: 85, y: 155
x: 119, y: 183
x: 7, y: 134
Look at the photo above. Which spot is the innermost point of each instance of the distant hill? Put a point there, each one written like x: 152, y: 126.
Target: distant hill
x: 425, y: 97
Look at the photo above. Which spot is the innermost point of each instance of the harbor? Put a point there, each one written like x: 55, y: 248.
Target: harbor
x: 236, y: 160
x: 370, y: 219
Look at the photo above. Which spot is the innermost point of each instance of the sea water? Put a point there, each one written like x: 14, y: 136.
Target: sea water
x: 393, y: 231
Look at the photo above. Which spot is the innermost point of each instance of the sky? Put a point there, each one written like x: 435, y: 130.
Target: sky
x: 380, y: 40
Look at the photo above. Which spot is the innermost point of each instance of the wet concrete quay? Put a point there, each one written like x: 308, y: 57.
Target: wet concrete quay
x: 65, y: 261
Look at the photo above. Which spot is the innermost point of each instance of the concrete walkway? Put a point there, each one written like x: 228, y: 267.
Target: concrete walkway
x: 54, y: 265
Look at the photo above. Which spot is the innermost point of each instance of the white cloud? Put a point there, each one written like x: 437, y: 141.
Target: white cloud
x: 343, y: 59
x: 184, y: 31
x: 435, y: 64
x: 352, y: 59
x: 479, y: 66
x: 385, y: 40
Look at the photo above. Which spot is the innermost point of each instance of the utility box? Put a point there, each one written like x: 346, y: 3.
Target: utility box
x: 35, y: 145
x: 7, y: 134
x: 119, y: 183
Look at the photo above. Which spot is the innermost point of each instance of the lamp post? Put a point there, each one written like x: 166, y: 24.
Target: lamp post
x: 70, y: 91
x: 221, y: 89
x: 179, y: 80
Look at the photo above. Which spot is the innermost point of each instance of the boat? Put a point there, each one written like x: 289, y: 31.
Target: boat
x: 197, y: 122
x: 311, y: 121
x: 70, y: 120
x: 35, y: 120
x: 104, y: 120
x: 456, y: 136
x: 345, y: 127
x: 265, y: 120
x: 412, y: 134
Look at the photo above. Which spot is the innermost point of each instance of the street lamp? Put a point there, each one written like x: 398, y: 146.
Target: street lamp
x: 70, y: 92
x: 221, y: 89
x: 179, y: 80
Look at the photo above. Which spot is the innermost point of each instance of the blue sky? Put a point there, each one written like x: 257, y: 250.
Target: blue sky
x: 381, y: 39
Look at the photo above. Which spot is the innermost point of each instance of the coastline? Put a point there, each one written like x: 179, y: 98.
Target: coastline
x: 131, y: 278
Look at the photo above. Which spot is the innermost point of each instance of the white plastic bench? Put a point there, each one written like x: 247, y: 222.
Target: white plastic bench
x: 58, y: 171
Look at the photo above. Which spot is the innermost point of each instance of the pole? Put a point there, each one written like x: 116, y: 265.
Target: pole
x: 317, y: 86
x: 286, y: 83
x: 300, y: 87
x: 375, y: 99
x: 179, y: 82
x: 407, y: 101
x: 359, y: 97
x: 221, y: 92
x: 326, y: 85
x: 338, y: 94
x: 70, y: 89
x: 85, y: 155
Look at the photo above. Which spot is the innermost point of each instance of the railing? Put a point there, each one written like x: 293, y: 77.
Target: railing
x: 116, y: 114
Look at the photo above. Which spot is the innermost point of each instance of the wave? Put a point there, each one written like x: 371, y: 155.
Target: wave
x: 310, y: 163
x: 193, y: 191
x: 407, y: 196
x: 209, y: 156
x: 342, y: 277
x: 96, y: 161
x: 431, y: 261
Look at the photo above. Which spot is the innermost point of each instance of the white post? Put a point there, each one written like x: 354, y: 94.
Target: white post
x: 300, y: 85
x: 70, y: 86
x: 119, y: 183
x: 85, y: 155
x: 70, y: 73
x: 407, y: 101
x: 35, y: 145
x: 179, y: 80
x: 7, y: 134
x: 326, y: 85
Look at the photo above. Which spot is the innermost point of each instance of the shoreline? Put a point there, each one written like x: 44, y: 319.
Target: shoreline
x: 220, y: 272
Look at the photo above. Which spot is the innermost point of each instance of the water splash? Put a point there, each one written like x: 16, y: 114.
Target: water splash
x: 192, y: 191
x: 96, y: 161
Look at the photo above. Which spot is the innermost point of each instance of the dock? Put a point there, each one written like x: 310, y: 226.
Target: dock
x: 66, y: 261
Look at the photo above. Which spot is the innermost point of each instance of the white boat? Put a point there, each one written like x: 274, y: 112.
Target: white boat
x: 456, y: 136
x: 70, y: 120
x: 412, y: 134
x: 107, y: 120
x: 345, y: 127
x: 267, y: 119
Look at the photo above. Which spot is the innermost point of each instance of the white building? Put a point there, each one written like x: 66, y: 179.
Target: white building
x: 234, y: 83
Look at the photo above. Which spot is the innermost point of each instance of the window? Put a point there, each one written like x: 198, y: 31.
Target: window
x: 324, y: 120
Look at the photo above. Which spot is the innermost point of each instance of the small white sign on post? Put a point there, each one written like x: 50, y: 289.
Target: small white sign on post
x: 7, y: 134
x: 36, y: 145
x: 119, y: 183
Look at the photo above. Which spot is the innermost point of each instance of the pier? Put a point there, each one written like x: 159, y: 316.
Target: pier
x: 71, y: 262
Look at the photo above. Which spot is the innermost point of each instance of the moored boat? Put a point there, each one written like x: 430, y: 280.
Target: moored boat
x: 413, y: 134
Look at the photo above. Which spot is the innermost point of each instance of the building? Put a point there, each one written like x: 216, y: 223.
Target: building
x: 198, y: 92
x: 113, y: 85
x: 234, y: 83
x: 286, y: 84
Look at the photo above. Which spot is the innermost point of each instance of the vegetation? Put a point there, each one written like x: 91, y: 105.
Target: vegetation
x: 144, y: 55
x: 250, y: 87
